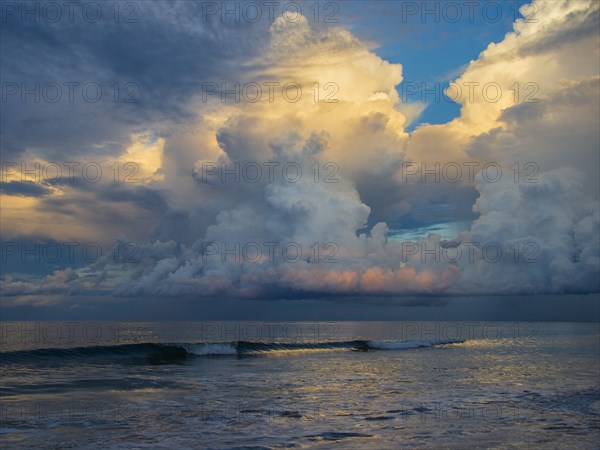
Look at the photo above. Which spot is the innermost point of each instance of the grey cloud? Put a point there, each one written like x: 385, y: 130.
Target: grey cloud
x: 579, y: 25
x: 140, y: 196
x: 166, y: 54
x: 24, y: 188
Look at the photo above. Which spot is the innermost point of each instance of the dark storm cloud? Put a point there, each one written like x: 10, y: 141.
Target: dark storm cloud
x: 104, y: 201
x: 140, y: 196
x: 147, y: 71
x: 23, y: 188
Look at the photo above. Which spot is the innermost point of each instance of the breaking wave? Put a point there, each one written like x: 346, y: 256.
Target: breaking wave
x: 173, y: 353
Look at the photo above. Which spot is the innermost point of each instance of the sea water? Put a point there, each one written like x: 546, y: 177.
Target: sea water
x: 286, y: 385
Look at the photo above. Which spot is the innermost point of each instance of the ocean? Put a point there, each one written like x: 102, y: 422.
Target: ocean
x: 292, y: 385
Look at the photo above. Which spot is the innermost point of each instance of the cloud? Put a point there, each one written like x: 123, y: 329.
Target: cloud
x: 60, y: 282
x: 215, y: 233
x: 138, y: 90
x: 23, y: 188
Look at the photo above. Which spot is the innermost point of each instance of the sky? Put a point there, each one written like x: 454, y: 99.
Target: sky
x: 300, y: 160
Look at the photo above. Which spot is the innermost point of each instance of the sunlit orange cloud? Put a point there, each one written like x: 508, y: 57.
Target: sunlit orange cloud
x: 373, y: 280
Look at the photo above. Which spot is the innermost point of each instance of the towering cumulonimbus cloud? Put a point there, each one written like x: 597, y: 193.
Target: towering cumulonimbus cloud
x: 270, y: 232
x: 543, y: 251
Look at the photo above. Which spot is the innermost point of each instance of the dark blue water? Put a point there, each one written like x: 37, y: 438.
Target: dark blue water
x: 268, y: 385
